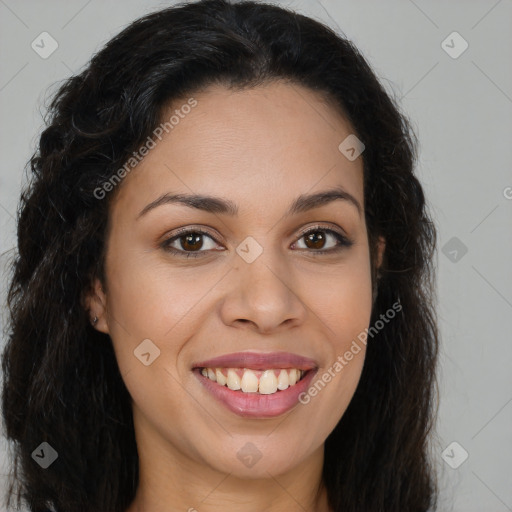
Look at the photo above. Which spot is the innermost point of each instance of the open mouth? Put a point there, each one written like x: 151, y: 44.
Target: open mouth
x: 246, y: 380
x: 256, y: 384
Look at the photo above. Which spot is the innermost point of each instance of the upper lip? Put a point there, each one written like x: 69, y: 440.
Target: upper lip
x: 259, y: 361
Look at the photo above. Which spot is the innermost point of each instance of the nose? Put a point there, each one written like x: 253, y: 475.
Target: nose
x: 263, y: 296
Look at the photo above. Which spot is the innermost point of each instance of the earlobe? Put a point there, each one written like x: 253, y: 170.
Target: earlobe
x: 95, y: 303
x: 381, y: 247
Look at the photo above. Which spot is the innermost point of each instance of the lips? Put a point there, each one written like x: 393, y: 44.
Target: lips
x: 259, y: 361
x: 250, y: 403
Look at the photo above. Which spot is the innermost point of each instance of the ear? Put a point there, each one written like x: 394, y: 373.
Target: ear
x: 381, y: 247
x: 379, y: 258
x: 95, y: 303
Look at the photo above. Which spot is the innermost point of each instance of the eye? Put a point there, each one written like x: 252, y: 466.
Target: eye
x: 318, y: 239
x: 188, y: 243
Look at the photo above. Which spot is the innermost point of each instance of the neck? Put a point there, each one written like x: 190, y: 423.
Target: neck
x: 170, y: 481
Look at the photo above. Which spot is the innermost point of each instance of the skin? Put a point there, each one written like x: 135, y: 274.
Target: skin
x: 260, y: 148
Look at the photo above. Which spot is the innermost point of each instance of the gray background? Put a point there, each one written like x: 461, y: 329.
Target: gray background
x: 461, y: 109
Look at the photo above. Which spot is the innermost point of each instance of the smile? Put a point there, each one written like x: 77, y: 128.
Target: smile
x: 256, y: 385
x: 265, y: 382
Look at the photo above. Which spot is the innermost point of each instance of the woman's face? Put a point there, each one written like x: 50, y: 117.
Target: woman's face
x: 255, y: 291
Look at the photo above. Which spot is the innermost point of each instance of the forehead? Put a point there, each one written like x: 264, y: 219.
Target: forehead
x: 271, y: 143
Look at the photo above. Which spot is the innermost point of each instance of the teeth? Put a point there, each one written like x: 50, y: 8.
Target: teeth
x: 282, y: 381
x: 249, y: 382
x: 221, y: 378
x: 268, y: 383
x: 233, y: 381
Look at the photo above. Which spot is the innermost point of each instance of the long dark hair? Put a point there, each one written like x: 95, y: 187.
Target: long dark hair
x: 61, y: 382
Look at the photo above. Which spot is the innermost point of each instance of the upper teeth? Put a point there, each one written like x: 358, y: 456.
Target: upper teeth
x: 265, y: 382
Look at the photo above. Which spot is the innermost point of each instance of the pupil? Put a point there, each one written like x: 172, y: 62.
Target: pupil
x: 317, y: 238
x: 193, y: 240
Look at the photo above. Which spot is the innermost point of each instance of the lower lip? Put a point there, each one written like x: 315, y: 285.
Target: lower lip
x: 254, y: 405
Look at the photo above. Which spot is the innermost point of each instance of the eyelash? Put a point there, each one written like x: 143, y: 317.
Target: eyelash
x: 343, y: 242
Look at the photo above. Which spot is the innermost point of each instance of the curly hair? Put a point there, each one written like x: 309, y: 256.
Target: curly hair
x: 61, y: 381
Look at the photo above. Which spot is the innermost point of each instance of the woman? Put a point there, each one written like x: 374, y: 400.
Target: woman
x: 223, y: 293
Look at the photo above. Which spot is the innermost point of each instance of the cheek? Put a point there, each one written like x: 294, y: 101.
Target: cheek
x: 151, y: 300
x: 342, y: 301
x: 341, y: 296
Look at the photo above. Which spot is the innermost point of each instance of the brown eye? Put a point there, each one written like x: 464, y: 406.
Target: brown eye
x: 190, y: 243
x: 194, y: 243
x: 315, y: 240
x: 318, y: 239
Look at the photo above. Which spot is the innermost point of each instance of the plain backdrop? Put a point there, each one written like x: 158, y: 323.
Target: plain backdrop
x: 461, y: 107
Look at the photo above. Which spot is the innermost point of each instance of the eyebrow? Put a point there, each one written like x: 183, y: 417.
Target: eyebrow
x: 218, y: 205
